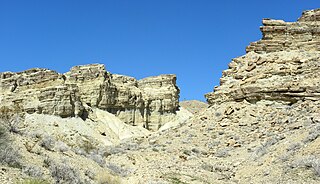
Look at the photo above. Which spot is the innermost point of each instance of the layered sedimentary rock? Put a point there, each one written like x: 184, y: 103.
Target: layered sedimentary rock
x: 279, y: 35
x: 149, y: 102
x: 284, y: 66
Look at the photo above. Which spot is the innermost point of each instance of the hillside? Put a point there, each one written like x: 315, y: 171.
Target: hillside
x: 261, y: 125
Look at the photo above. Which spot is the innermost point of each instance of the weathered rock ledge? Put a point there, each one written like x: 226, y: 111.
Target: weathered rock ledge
x: 148, y: 102
x: 283, y: 66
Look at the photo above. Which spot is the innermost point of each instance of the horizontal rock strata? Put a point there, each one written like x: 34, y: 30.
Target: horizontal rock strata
x: 283, y: 66
x: 149, y: 102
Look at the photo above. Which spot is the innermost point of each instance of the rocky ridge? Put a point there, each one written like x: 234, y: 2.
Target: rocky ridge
x: 148, y: 102
x: 283, y: 66
x: 262, y: 125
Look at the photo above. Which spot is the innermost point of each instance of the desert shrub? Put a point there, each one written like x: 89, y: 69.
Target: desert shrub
x: 79, y: 151
x: 63, y: 172
x: 259, y: 152
x: 270, y: 142
x: 111, y: 150
x: 99, y: 159
x: 313, y: 134
x: 90, y: 174
x: 222, y: 153
x: 48, y: 142
x: 207, y: 167
x: 118, y: 170
x: 294, y: 147
x: 87, y: 144
x: 3, y: 136
x: 8, y: 154
x: 107, y: 178
x: 129, y: 145
x: 33, y: 171
x: 62, y: 147
x: 308, y: 162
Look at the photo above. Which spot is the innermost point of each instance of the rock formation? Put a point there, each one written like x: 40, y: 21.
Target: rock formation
x: 283, y: 66
x: 263, y: 122
x: 148, y: 102
x: 262, y: 125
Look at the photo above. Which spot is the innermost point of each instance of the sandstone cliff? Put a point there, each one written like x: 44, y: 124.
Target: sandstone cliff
x: 263, y: 122
x: 148, y: 102
x: 283, y: 66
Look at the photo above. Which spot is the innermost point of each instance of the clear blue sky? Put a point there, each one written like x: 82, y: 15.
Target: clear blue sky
x: 194, y: 39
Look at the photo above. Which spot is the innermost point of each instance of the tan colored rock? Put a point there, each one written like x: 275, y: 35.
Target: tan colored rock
x: 283, y: 36
x: 194, y: 106
x: 161, y: 97
x: 150, y: 102
x: 273, y: 69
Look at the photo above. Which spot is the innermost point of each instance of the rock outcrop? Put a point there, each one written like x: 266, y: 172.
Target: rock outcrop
x: 283, y: 66
x: 148, y: 102
x: 262, y: 125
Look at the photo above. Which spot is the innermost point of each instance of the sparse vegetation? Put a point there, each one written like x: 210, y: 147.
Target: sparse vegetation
x: 3, y: 136
x: 61, y: 146
x: 88, y: 145
x: 259, y: 152
x: 118, y: 170
x: 99, y: 159
x: 294, y: 146
x: 174, y: 178
x: 222, y: 153
x: 33, y: 171
x: 309, y: 162
x: 47, y: 142
x: 313, y: 135
x: 62, y: 172
x: 8, y: 154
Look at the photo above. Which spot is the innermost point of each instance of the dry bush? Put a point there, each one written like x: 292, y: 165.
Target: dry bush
x: 308, y: 162
x: 98, y: 158
x: 33, y: 171
x: 8, y: 154
x: 47, y: 142
x: 118, y: 170
x: 3, y: 136
x: 62, y: 147
x: 62, y: 172
x: 314, y: 133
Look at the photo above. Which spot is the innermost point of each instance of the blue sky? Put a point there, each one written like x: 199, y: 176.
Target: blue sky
x: 194, y: 39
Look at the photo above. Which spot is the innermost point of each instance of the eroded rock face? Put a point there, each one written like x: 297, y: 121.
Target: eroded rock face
x: 286, y: 36
x: 149, y: 102
x: 283, y: 66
